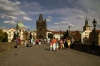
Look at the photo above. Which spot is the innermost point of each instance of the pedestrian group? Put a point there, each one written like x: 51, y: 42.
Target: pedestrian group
x: 55, y: 44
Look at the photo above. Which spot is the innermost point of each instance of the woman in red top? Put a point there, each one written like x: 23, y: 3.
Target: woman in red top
x: 18, y: 41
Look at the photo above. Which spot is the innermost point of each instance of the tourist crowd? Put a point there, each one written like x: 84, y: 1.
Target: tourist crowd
x: 54, y: 43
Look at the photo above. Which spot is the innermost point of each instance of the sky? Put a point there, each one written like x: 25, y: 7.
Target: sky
x: 59, y: 13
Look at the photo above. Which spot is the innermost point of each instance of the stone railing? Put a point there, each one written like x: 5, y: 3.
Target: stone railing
x: 92, y: 49
x: 6, y: 46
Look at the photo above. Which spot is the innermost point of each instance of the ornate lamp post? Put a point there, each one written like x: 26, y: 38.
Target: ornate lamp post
x: 60, y: 34
x: 94, y: 25
x: 69, y: 28
x: 69, y: 32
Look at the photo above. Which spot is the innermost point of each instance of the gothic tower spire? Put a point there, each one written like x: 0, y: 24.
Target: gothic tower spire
x: 40, y: 18
x: 86, y: 22
x: 41, y: 27
x: 86, y: 27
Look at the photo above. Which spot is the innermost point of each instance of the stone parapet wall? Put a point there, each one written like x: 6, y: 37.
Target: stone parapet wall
x: 6, y: 46
x: 87, y: 48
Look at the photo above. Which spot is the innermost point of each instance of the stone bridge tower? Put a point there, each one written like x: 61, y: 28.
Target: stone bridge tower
x: 41, y: 27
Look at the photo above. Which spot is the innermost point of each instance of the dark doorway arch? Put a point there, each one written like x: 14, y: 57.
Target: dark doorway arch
x: 40, y: 36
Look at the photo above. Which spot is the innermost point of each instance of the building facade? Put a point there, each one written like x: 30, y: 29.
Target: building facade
x: 97, y: 37
x: 20, y: 29
x: 10, y: 33
x: 85, y: 33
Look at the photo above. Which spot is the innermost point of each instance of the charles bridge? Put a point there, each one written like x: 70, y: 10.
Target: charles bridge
x: 78, y: 55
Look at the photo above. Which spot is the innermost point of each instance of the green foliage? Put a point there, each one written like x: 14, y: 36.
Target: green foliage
x: 1, y: 35
x: 5, y: 39
x: 50, y: 35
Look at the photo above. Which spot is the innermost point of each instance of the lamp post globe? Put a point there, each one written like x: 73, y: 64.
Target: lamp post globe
x: 94, y: 23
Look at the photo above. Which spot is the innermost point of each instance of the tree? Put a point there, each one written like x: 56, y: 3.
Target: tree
x: 1, y: 35
x: 5, y: 39
x: 50, y: 35
x: 14, y: 36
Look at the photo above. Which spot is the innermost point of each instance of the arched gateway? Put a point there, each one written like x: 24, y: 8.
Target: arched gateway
x: 41, y: 27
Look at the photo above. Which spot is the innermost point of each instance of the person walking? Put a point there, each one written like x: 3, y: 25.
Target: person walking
x: 19, y: 41
x: 61, y: 44
x: 51, y: 45
x: 66, y: 43
x: 72, y: 41
x: 69, y: 42
x: 54, y: 43
x: 34, y: 42
x: 37, y: 42
x: 57, y: 46
x: 25, y: 43
x: 31, y: 43
x: 16, y: 42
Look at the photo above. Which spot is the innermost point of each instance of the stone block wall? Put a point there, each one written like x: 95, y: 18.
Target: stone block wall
x: 6, y: 46
x: 92, y: 49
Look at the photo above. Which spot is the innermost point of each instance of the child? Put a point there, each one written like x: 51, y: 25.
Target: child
x: 57, y: 46
x: 39, y: 42
x: 50, y: 46
x: 25, y: 42
x: 33, y: 42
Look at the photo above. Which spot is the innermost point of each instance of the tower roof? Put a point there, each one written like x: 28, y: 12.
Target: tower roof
x: 20, y: 24
x: 86, y: 22
x: 40, y: 18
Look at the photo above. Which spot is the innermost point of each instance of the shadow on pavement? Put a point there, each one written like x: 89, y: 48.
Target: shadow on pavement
x: 47, y: 49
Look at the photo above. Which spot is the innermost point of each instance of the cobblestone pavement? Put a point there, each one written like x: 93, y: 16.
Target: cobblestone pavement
x: 41, y: 56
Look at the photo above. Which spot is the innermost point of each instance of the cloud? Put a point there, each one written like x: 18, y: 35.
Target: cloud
x: 17, y: 13
x: 64, y: 23
x: 10, y: 8
x: 27, y: 27
x: 71, y: 25
x: 80, y: 17
x: 60, y: 23
x: 3, y: 27
x: 32, y: 6
x: 27, y: 18
x: 49, y: 18
x: 12, y: 17
x: 2, y: 15
x: 59, y: 11
x: 98, y: 25
x: 59, y: 27
x: 54, y: 28
x: 90, y: 18
x: 10, y: 22
x: 8, y: 17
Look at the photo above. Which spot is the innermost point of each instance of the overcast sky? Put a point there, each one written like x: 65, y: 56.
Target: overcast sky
x: 58, y: 13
